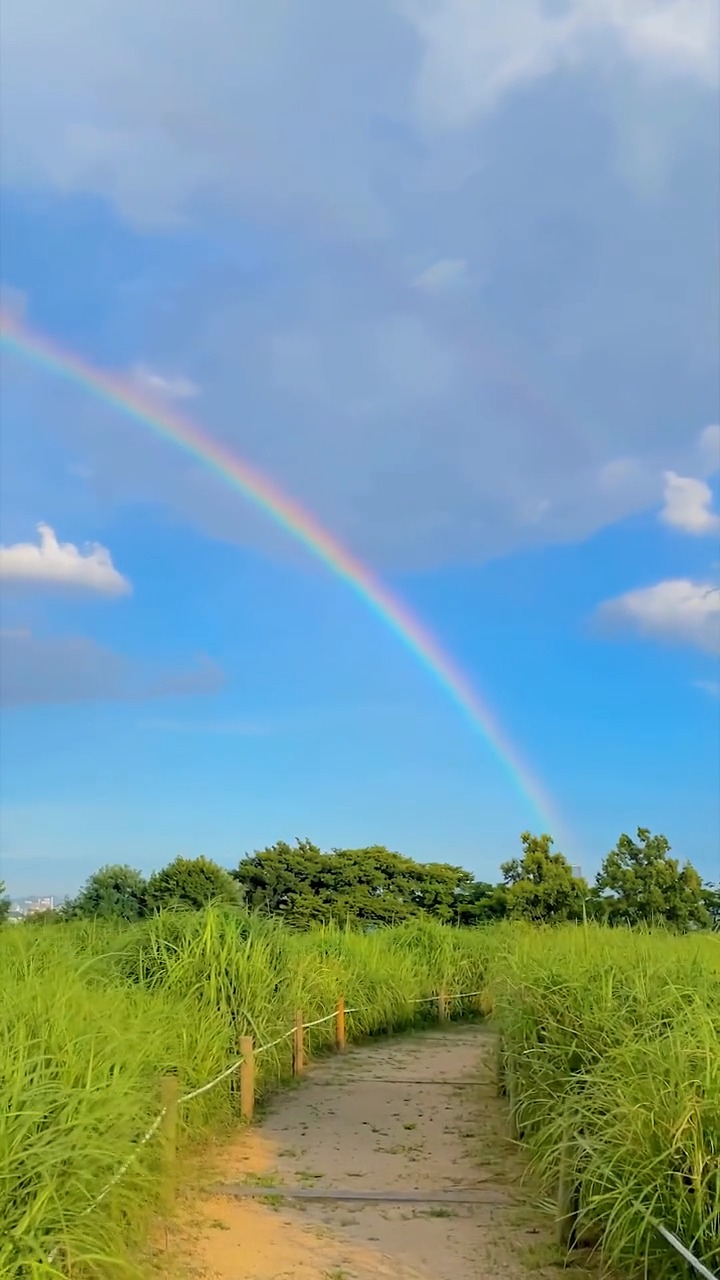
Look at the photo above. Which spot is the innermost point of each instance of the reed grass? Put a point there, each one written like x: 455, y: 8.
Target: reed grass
x: 611, y: 1036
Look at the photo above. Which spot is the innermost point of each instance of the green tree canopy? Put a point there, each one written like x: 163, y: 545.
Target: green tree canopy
x: 540, y: 886
x: 640, y: 883
x: 191, y: 883
x: 4, y: 903
x: 483, y: 903
x: 47, y: 917
x: 711, y: 902
x: 112, y: 893
x: 373, y: 885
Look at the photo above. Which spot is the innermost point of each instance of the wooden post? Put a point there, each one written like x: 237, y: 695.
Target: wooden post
x: 500, y: 1069
x: 299, y: 1045
x: 169, y: 1094
x: 247, y: 1078
x: 512, y: 1097
x: 340, y: 1026
x: 567, y: 1205
x: 442, y: 1005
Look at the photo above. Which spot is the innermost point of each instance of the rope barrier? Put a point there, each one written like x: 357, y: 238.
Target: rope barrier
x: 274, y: 1043
x: 671, y: 1239
x: 205, y: 1088
x: 120, y: 1173
x: 689, y: 1257
x: 461, y: 995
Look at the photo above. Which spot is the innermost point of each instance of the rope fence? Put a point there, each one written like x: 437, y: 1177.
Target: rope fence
x: 166, y: 1121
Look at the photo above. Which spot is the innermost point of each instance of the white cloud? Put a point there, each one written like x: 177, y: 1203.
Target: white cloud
x: 474, y: 54
x: 420, y: 433
x: 442, y: 276
x: 687, y: 505
x: 167, y: 388
x: 677, y: 610
x: 289, y: 88
x: 62, y: 564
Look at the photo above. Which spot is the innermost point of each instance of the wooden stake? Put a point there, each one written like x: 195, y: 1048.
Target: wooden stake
x: 247, y: 1078
x: 340, y: 1026
x: 567, y: 1206
x: 501, y: 1077
x: 442, y: 1005
x: 512, y: 1097
x: 169, y: 1093
x: 299, y: 1045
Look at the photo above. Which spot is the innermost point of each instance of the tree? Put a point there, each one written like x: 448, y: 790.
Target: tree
x: 46, y: 917
x: 112, y: 893
x: 287, y: 881
x: 4, y: 903
x: 370, y: 886
x: 711, y: 902
x: 190, y: 884
x: 541, y: 886
x: 641, y: 884
x: 378, y: 886
x: 483, y: 904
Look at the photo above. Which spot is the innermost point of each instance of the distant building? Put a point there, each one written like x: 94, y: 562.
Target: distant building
x: 40, y: 904
x: 24, y: 907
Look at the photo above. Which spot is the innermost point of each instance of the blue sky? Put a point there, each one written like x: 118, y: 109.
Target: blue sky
x: 449, y: 274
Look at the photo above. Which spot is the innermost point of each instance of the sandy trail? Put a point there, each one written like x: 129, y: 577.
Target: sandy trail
x: 417, y: 1116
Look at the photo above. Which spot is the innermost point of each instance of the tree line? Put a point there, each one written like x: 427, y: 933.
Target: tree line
x: 639, y: 882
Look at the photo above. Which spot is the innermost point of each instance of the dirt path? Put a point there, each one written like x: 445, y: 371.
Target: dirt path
x: 413, y: 1117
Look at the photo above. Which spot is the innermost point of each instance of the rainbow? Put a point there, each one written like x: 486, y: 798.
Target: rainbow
x: 115, y: 391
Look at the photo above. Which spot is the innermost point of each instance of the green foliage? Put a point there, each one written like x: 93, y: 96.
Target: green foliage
x: 47, y: 917
x: 483, y: 903
x: 613, y: 1038
x: 541, y: 886
x: 112, y: 893
x: 640, y: 883
x: 611, y: 1034
x: 4, y: 903
x: 711, y: 902
x: 190, y: 884
x: 95, y: 1014
x: 121, y: 893
x: 372, y: 886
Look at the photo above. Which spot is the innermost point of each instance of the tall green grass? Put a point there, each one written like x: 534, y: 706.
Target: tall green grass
x: 612, y: 1047
x: 609, y: 1038
x: 93, y: 1017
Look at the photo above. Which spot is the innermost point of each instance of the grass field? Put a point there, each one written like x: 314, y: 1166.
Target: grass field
x: 611, y: 1040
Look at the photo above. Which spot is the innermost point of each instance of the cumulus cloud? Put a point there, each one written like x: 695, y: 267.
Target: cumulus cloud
x: 168, y: 388
x: 687, y: 505
x: 272, y: 86
x: 423, y: 410
x: 676, y: 611
x: 66, y: 669
x: 476, y: 54
x: 51, y: 563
